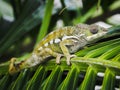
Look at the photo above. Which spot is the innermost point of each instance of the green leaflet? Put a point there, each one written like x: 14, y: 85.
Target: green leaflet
x: 71, y: 79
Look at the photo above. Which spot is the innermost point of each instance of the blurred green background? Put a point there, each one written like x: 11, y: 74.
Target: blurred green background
x: 21, y: 20
x: 23, y: 23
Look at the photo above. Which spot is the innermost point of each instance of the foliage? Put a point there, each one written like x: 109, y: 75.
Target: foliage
x: 102, y: 56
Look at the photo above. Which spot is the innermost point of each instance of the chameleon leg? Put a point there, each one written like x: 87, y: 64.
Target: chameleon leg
x: 58, y: 58
x: 65, y: 49
x: 54, y: 54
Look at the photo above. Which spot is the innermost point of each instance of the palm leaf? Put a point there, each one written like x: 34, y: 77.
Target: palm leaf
x: 83, y: 74
x: 62, y: 77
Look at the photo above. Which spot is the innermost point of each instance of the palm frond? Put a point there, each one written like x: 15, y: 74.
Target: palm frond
x: 82, y: 74
x: 95, y: 65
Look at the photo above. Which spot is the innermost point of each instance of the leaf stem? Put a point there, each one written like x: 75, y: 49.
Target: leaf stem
x: 46, y: 20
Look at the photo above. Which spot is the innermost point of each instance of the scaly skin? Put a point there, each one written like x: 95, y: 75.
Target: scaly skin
x: 61, y: 42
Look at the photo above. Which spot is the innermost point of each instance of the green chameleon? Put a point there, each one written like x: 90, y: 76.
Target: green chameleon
x: 64, y: 41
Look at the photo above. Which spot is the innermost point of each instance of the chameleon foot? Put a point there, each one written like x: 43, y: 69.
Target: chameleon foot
x: 58, y: 58
x: 68, y: 59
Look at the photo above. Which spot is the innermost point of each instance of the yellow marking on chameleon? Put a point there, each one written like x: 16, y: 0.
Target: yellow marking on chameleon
x: 57, y: 33
x: 40, y: 48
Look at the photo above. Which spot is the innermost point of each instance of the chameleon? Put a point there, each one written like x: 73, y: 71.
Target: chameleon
x: 62, y: 42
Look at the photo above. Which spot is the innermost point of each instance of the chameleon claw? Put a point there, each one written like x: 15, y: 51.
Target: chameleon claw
x: 69, y: 58
x: 58, y: 58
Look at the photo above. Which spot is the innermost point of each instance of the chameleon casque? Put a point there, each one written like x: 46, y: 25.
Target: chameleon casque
x: 64, y: 41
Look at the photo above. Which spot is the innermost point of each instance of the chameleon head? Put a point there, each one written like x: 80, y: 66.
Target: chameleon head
x: 13, y: 68
x: 89, y: 30
x: 94, y: 29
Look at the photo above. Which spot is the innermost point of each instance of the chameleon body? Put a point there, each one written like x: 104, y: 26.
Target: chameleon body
x: 61, y: 42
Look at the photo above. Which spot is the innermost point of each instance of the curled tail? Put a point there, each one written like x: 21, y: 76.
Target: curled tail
x: 15, y: 67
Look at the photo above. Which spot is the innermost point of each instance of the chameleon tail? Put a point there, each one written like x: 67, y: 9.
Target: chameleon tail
x: 15, y: 67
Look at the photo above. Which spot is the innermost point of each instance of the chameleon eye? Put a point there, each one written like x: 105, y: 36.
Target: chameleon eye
x: 94, y: 28
x: 94, y: 31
